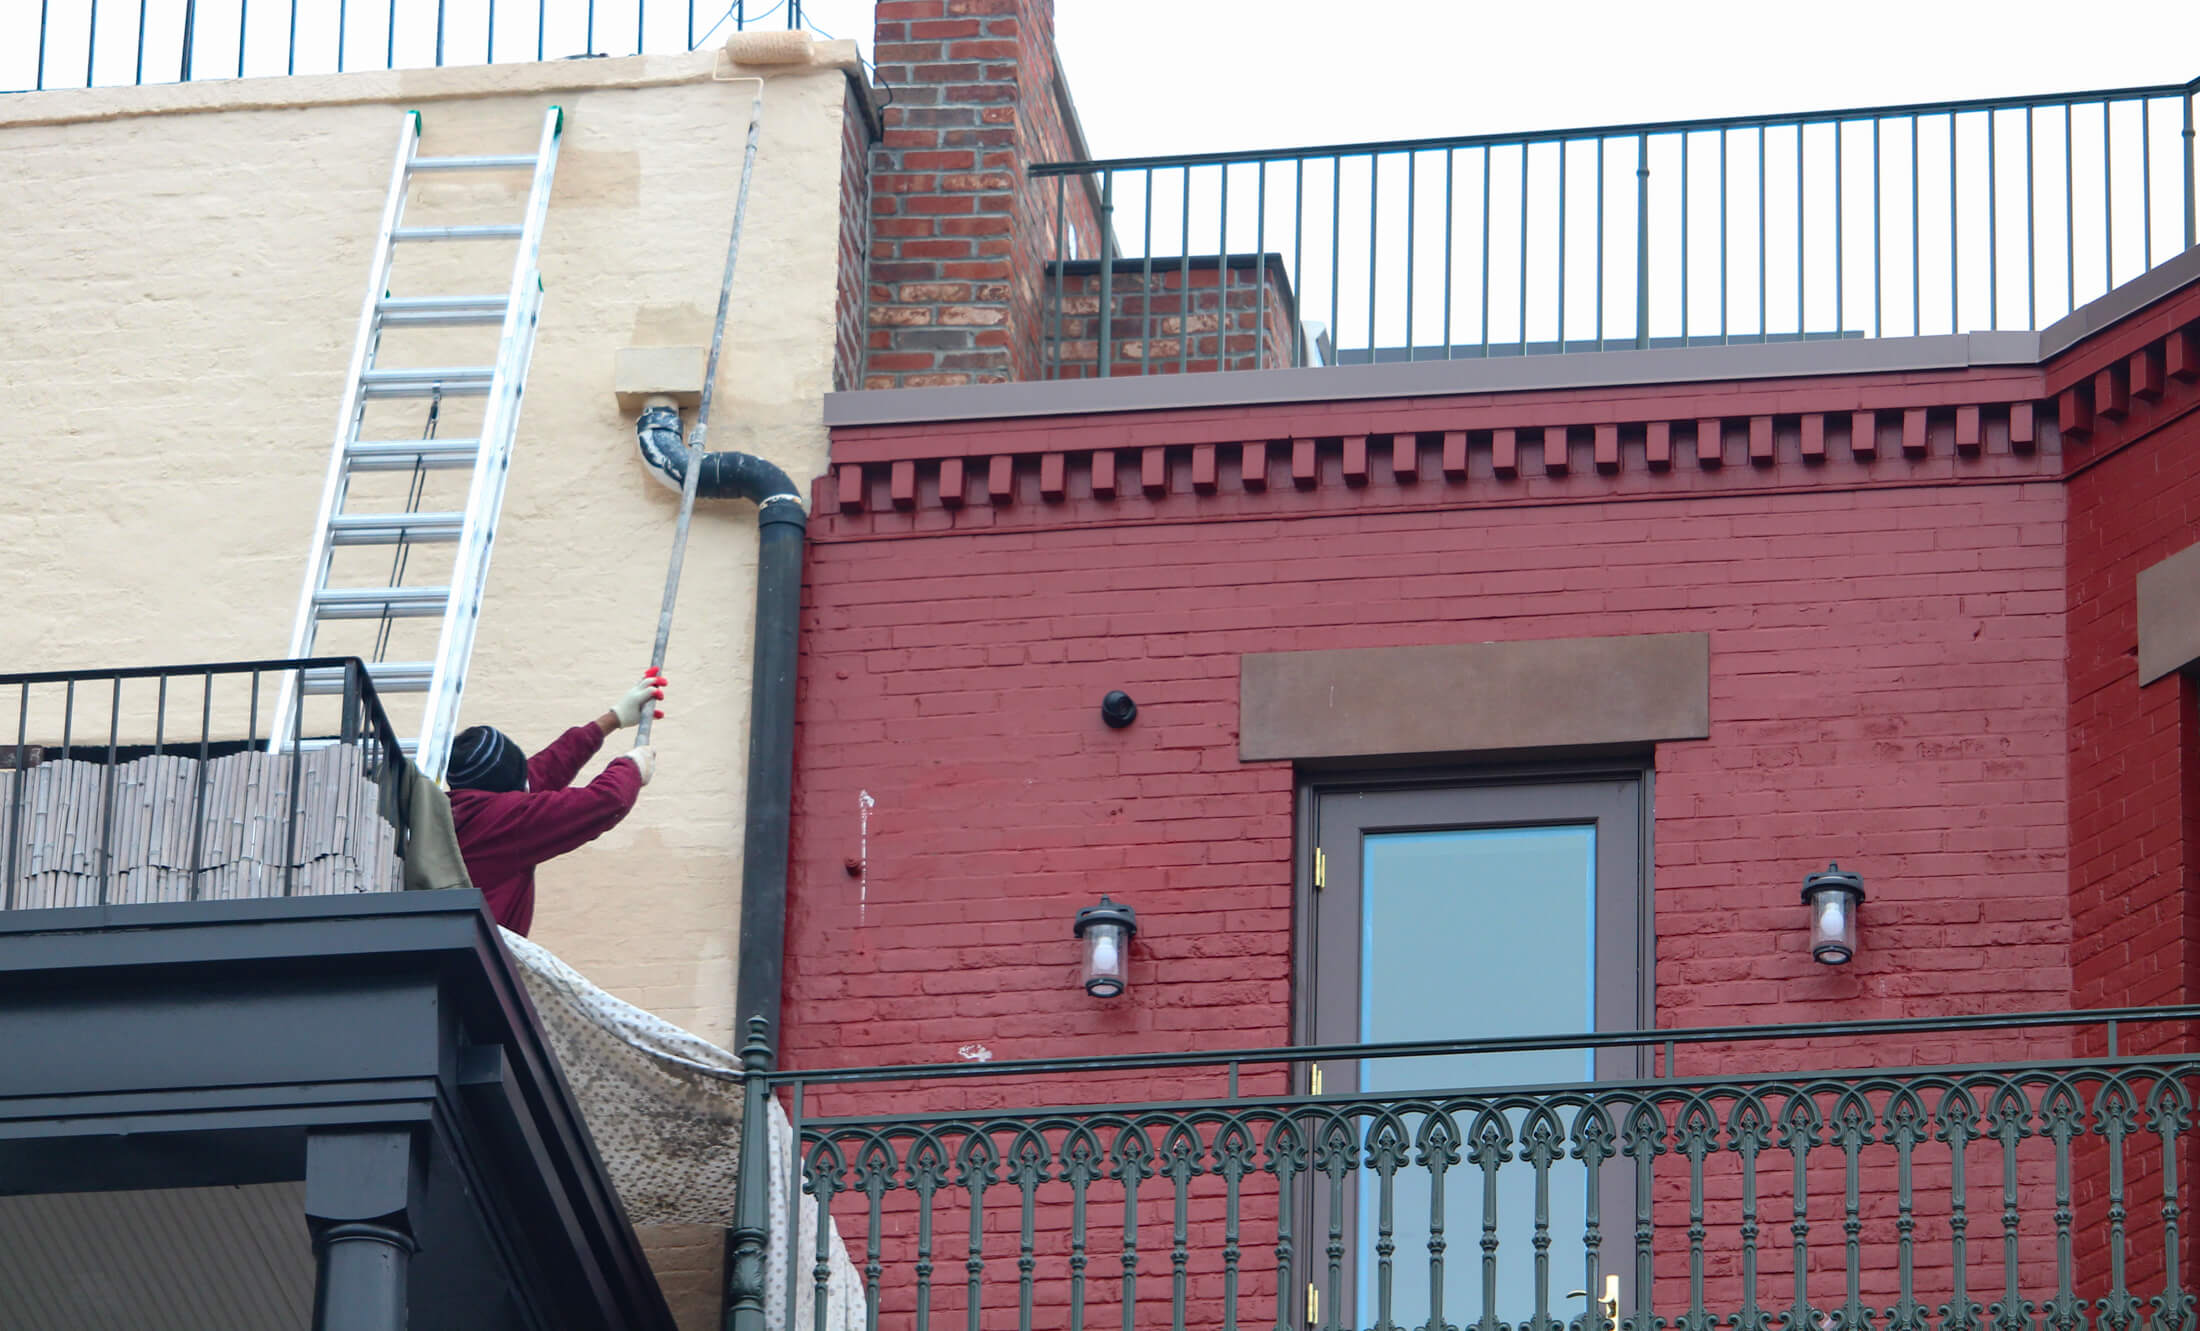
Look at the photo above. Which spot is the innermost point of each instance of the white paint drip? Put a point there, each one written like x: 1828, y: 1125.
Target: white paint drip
x: 974, y: 1053
x: 864, y: 805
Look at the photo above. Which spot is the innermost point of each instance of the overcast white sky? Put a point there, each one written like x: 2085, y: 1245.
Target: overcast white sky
x: 1153, y: 76
x: 1160, y: 76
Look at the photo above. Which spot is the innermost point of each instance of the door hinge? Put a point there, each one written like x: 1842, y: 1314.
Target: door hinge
x: 1316, y: 1083
x: 1313, y: 1305
x: 1321, y: 868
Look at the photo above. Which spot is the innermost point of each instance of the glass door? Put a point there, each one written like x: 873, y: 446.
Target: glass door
x: 1474, y: 912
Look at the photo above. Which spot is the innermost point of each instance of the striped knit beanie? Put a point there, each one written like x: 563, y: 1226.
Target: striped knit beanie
x: 485, y: 758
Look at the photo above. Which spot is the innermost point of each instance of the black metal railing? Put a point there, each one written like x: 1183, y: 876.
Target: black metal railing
x: 99, y: 43
x: 176, y: 783
x: 2002, y: 213
x: 2016, y: 1173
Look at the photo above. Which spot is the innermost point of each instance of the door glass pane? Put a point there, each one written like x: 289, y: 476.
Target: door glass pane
x: 1470, y: 933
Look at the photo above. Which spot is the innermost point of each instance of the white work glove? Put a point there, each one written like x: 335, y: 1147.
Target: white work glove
x: 644, y: 759
x: 645, y: 695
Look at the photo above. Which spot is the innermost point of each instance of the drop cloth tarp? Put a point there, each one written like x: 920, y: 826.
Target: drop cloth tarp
x: 664, y: 1107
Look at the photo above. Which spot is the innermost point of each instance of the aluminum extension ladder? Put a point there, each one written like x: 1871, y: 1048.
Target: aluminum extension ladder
x: 472, y: 530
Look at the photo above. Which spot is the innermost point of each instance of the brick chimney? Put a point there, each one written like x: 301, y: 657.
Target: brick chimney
x: 960, y: 236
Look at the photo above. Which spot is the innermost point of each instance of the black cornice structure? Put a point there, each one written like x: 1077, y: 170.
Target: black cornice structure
x: 213, y: 1112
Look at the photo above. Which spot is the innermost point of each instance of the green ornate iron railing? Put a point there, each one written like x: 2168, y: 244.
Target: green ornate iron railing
x: 2015, y: 1173
x: 1940, y: 217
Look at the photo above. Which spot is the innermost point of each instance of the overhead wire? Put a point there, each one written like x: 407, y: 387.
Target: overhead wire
x: 746, y: 19
x: 870, y: 70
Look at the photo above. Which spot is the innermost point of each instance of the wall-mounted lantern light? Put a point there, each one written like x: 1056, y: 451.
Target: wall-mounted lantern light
x: 1106, y: 930
x: 1833, y: 897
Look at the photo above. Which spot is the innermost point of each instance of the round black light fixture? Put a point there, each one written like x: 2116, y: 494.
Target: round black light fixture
x: 1118, y: 710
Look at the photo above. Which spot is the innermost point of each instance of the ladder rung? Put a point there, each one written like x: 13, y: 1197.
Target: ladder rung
x: 406, y: 454
x: 392, y: 528
x: 497, y: 231
x: 519, y: 160
x: 387, y: 676
x: 457, y: 605
x: 400, y: 311
x: 426, y: 380
x: 380, y: 602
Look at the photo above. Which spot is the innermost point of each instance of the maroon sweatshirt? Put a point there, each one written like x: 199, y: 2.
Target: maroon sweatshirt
x: 503, y: 835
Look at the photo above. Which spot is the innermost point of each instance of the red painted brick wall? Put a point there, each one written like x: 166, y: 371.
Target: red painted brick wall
x: 2131, y: 748
x: 2135, y: 778
x: 1887, y: 638
x: 960, y: 234
x: 1887, y: 690
x: 1918, y: 591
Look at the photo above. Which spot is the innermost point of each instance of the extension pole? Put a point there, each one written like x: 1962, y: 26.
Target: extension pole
x: 702, y: 410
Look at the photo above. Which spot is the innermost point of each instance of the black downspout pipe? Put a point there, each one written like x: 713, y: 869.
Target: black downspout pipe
x: 765, y: 840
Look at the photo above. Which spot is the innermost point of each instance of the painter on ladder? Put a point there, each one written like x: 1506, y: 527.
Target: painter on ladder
x: 512, y: 812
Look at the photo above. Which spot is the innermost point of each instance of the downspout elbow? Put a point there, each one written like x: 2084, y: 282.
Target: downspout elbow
x: 724, y: 476
x: 766, y: 838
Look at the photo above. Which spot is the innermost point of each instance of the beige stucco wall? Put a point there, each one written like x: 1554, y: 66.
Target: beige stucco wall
x: 180, y: 279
